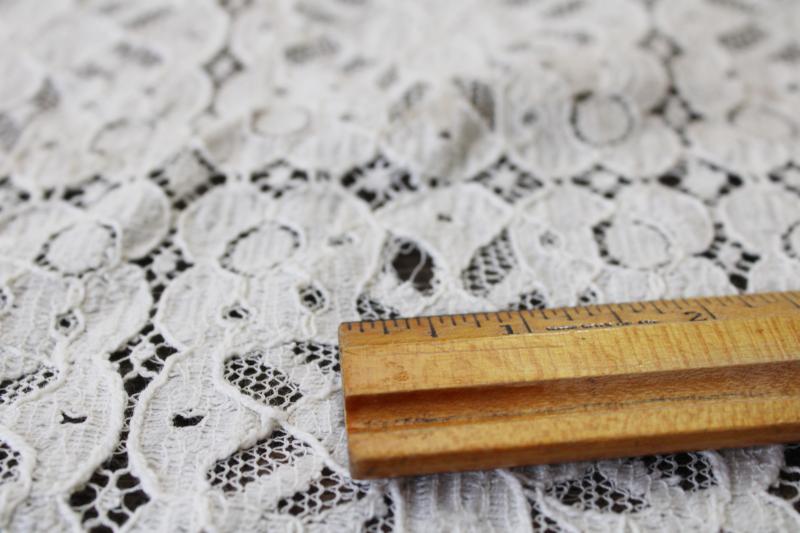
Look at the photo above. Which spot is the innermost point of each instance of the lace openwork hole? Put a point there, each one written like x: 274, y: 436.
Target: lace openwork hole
x: 312, y: 298
x: 67, y: 323
x: 235, y: 313
x: 5, y: 299
x: 184, y: 420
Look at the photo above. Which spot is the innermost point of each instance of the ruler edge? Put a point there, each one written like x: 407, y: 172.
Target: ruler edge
x: 344, y: 330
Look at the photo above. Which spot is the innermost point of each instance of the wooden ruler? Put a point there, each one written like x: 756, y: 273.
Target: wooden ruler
x: 484, y: 390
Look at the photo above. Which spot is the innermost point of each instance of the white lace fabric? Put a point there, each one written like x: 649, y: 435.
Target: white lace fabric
x: 193, y: 195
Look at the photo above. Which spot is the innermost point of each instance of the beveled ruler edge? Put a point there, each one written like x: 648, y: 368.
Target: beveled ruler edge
x: 419, y: 429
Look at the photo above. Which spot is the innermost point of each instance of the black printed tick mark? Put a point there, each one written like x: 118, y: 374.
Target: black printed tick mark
x: 66, y: 419
x: 180, y: 421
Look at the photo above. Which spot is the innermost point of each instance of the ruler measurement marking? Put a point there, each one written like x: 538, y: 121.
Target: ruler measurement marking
x: 433, y: 329
x: 525, y: 322
x: 615, y: 314
x: 754, y: 299
x: 786, y: 296
x: 745, y: 302
x: 709, y: 306
x: 707, y: 310
x: 477, y: 322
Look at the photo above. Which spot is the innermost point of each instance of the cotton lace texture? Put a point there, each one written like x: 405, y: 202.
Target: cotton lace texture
x: 193, y: 195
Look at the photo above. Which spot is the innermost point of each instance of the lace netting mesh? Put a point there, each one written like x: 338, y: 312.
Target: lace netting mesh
x: 13, y: 389
x: 378, y: 181
x: 261, y: 382
x: 326, y: 492
x: 731, y: 256
x: 369, y: 309
x: 490, y: 265
x: 245, y: 466
x: 278, y: 177
x: 529, y: 300
x: 508, y: 181
x: 9, y: 463
x: 690, y: 471
x: 540, y: 522
x: 787, y: 486
x: 594, y: 490
x: 325, y: 356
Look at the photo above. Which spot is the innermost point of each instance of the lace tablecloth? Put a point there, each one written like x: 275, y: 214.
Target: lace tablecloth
x: 194, y: 194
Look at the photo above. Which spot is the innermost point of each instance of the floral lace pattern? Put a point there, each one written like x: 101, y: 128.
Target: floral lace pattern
x: 194, y: 194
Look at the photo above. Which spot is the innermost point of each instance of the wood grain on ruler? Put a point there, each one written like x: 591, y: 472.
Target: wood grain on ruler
x: 484, y: 390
